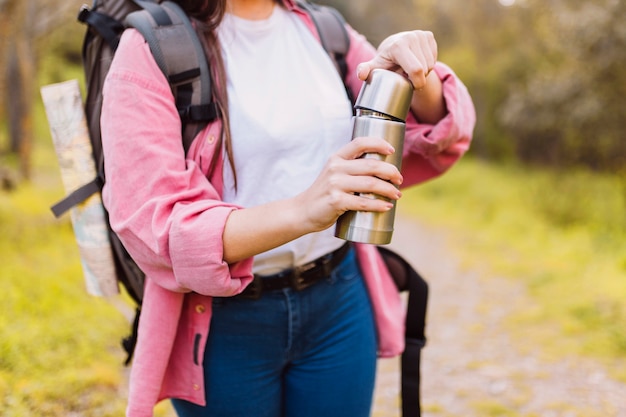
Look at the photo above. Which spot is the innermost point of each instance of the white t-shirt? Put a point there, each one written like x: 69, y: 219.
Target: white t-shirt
x: 288, y: 113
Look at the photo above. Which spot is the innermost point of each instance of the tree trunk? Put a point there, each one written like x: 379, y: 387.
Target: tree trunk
x: 20, y: 77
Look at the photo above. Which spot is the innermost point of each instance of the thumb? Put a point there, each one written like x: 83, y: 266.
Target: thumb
x: 363, y: 70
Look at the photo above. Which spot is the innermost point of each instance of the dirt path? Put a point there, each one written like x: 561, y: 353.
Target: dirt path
x: 471, y: 366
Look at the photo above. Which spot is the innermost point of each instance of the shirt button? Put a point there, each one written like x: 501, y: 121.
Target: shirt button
x: 200, y: 308
x: 196, y: 387
x: 211, y: 139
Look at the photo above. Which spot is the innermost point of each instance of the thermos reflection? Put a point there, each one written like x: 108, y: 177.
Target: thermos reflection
x: 381, y: 110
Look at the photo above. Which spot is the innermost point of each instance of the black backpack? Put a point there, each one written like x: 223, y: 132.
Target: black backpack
x: 182, y: 59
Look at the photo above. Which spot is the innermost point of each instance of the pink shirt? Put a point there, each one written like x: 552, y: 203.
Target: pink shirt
x: 168, y: 212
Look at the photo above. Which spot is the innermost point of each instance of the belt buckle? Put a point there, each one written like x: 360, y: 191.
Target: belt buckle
x: 323, y: 265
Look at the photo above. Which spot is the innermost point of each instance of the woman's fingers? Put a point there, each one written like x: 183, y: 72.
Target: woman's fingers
x: 362, y: 145
x: 367, y: 174
x: 350, y: 182
x: 356, y: 165
x: 418, y: 57
x: 413, y: 52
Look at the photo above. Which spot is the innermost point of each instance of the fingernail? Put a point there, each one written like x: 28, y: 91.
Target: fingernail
x: 359, y: 69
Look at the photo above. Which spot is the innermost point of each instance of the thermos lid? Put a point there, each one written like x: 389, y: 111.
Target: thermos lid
x: 386, y: 92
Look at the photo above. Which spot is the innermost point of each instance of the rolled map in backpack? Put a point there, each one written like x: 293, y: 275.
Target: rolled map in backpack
x: 68, y: 126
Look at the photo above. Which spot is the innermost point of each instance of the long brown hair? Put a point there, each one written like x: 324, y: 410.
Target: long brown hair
x: 207, y: 15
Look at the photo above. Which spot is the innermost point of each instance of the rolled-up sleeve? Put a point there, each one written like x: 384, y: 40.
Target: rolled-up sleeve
x: 164, y: 209
x: 430, y: 150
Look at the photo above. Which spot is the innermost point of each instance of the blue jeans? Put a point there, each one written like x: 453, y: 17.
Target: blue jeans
x: 308, y: 353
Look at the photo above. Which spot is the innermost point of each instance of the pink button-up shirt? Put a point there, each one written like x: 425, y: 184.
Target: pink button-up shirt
x: 167, y: 210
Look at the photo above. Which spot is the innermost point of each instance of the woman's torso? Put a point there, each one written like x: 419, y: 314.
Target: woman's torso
x: 288, y: 114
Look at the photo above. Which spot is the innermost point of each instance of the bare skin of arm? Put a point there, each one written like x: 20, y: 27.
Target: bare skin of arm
x: 254, y: 230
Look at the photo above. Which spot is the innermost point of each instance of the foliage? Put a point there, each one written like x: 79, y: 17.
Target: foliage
x: 571, y: 110
x: 25, y: 27
x: 560, y: 233
x: 547, y: 77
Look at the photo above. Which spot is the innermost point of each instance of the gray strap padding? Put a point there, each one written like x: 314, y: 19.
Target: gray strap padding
x: 178, y: 52
x: 331, y: 28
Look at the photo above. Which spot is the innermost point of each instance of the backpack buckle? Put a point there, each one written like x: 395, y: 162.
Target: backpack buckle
x: 83, y: 13
x: 199, y: 113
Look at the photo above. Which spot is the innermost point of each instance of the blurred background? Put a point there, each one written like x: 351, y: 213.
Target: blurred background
x: 540, y: 199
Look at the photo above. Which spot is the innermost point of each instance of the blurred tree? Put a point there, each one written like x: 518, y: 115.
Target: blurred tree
x: 18, y: 77
x: 571, y: 112
x: 548, y: 77
x: 22, y: 23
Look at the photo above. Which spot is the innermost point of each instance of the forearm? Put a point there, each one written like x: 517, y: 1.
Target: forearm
x: 428, y: 104
x: 255, y: 230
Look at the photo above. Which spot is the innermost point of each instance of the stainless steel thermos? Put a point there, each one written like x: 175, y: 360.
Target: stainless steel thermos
x: 381, y: 110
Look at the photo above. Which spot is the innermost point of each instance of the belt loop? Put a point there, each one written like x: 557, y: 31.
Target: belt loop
x: 254, y: 290
x: 297, y: 280
x: 327, y: 265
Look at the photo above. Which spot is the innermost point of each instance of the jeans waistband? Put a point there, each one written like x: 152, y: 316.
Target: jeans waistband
x: 299, y: 277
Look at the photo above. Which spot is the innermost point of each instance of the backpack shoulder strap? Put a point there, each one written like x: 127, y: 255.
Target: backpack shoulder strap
x: 180, y: 55
x: 408, y: 279
x: 106, y: 17
x: 331, y: 28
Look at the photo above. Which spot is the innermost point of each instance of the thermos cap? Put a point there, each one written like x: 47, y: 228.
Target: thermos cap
x: 386, y: 92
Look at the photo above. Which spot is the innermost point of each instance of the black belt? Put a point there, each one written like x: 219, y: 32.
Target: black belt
x: 299, y: 277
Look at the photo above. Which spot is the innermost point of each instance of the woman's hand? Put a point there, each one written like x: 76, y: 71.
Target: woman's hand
x: 413, y: 53
x: 254, y: 230
x: 346, y: 173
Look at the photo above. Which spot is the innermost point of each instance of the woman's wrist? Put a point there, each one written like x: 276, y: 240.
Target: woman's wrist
x: 255, y: 230
x: 428, y: 104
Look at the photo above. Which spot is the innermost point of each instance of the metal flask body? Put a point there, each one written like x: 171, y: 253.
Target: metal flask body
x: 381, y: 110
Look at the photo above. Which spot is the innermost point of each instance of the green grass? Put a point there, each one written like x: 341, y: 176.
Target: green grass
x: 59, y: 347
x: 562, y: 233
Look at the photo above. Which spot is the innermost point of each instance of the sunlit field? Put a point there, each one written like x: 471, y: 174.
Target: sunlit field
x: 561, y: 233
